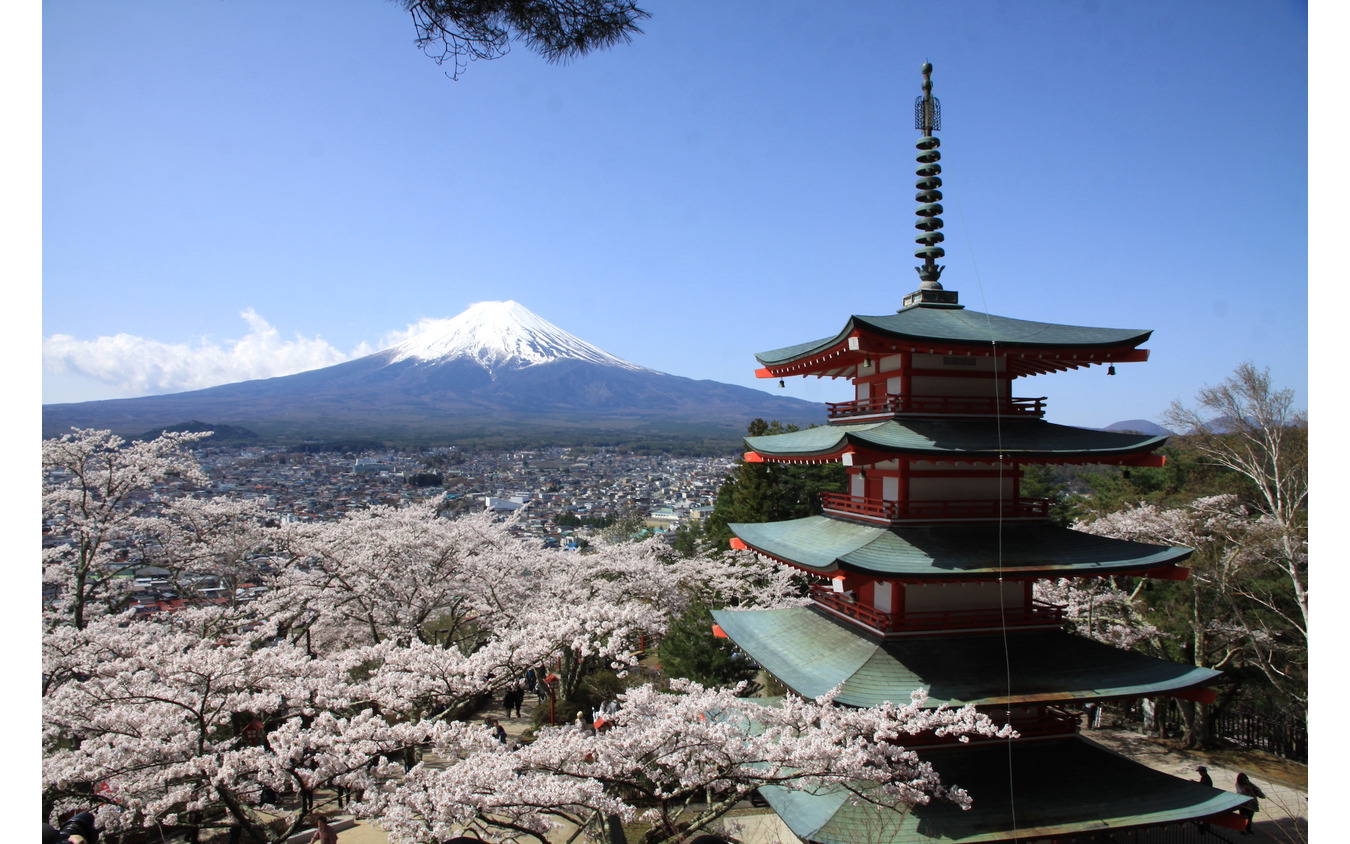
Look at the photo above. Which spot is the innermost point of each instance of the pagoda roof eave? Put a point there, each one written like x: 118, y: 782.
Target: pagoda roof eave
x: 955, y: 440
x: 942, y: 330
x: 1079, y: 787
x: 812, y: 653
x: 823, y: 546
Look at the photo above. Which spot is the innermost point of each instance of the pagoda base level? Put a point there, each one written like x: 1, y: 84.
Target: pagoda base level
x: 1021, y: 791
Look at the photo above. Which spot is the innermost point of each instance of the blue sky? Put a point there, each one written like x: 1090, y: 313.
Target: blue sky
x: 231, y: 189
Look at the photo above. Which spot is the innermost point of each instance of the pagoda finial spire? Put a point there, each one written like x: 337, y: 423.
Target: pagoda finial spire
x: 928, y: 119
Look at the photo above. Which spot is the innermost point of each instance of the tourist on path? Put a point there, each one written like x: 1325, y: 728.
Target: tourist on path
x: 1249, y: 810
x: 323, y: 834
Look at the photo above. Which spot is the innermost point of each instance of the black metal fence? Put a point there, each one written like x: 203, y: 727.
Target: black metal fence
x: 1283, y: 735
x: 1280, y: 735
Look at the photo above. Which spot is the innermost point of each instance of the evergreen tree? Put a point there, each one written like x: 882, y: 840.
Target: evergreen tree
x: 691, y: 651
x: 1042, y: 481
x: 770, y: 492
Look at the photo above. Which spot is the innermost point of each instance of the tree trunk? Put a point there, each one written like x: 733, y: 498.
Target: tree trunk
x: 614, y: 830
x: 1196, y: 646
x: 1204, y: 726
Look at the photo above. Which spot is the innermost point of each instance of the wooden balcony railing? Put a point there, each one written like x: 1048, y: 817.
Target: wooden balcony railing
x: 937, y: 406
x: 1035, y: 615
x: 898, y: 511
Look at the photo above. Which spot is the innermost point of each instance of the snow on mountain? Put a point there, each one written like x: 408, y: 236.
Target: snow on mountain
x: 500, y: 335
x: 495, y: 372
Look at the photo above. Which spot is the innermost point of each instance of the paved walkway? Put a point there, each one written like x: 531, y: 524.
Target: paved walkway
x: 1284, y: 811
x: 1283, y: 815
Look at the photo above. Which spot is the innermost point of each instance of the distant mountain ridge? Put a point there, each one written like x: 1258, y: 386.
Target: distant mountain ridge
x: 496, y: 370
x: 218, y: 433
x: 1140, y: 426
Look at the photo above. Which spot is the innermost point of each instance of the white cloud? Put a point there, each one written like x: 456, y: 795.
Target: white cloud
x: 135, y: 366
x: 393, y: 338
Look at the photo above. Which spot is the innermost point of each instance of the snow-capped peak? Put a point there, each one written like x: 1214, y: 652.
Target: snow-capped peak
x: 499, y: 335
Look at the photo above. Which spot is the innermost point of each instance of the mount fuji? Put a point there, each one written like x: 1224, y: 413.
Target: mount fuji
x: 495, y: 372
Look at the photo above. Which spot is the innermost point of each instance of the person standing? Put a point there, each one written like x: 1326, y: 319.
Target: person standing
x: 1246, y: 787
x: 1205, y: 778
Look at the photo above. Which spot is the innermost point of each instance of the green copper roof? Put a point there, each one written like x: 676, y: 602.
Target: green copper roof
x: 1022, y: 789
x: 946, y: 551
x: 812, y: 654
x: 968, y: 328
x: 940, y: 439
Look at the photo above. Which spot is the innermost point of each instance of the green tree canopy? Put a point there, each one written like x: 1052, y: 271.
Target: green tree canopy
x: 770, y: 492
x: 691, y: 651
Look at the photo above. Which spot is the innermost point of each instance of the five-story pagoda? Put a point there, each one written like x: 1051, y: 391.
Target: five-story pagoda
x: 926, y: 565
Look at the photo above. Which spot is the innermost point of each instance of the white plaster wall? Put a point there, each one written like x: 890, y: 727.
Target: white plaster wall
x: 883, y: 591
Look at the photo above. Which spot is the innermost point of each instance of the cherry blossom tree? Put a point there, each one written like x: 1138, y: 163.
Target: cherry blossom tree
x: 408, y: 575
x: 143, y: 720
x: 1234, y: 612
x: 676, y: 762
x: 95, y: 486
x: 372, y: 638
x: 384, y: 572
x: 1259, y: 435
x: 204, y: 542
x: 1099, y: 609
x: 1238, y: 612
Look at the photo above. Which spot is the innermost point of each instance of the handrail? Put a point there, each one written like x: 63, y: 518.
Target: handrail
x: 937, y: 405
x: 894, y: 511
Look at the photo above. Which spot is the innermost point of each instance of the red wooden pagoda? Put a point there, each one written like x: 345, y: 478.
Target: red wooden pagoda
x: 925, y: 566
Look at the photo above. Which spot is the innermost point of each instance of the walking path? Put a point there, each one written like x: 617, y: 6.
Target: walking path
x: 1282, y: 818
x: 1284, y: 810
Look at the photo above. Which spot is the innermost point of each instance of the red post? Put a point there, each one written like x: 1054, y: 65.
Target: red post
x: 549, y: 682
